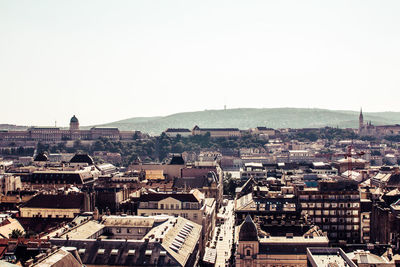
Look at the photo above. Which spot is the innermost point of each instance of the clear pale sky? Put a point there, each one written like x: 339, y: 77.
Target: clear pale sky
x: 111, y: 60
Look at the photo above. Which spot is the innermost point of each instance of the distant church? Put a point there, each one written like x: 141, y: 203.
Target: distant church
x: 371, y: 130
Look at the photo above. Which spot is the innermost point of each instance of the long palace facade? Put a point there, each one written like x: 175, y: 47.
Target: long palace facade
x: 73, y: 133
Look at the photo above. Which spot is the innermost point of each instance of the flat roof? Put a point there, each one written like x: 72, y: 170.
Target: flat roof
x: 128, y: 221
x: 329, y: 257
x: 83, y: 231
x: 324, y: 260
x: 210, y: 255
x: 294, y: 240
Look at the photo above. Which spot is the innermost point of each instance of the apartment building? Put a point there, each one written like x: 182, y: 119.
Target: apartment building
x: 335, y: 207
x: 192, y: 206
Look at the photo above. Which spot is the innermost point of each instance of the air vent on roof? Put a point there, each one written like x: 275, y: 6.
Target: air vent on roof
x: 174, y: 248
x: 289, y: 235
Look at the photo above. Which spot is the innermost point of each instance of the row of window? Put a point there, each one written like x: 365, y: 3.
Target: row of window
x: 185, y: 205
x: 184, y: 215
x: 330, y: 197
x: 48, y: 216
x: 331, y: 212
x: 330, y: 205
x: 343, y: 235
x: 340, y: 227
x: 129, y: 230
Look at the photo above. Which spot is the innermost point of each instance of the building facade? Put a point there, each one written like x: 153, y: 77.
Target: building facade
x: 54, y: 134
x: 335, y: 207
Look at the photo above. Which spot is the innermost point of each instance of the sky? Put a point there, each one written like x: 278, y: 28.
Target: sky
x: 110, y: 60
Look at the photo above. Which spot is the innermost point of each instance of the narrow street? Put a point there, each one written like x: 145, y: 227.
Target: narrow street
x: 224, y: 236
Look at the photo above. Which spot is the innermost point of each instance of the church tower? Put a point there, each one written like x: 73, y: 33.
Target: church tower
x: 360, y: 121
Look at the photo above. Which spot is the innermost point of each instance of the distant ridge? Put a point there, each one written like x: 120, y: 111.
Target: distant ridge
x: 244, y: 118
x: 12, y: 127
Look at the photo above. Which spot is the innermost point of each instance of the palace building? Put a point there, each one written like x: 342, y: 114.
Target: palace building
x: 73, y: 133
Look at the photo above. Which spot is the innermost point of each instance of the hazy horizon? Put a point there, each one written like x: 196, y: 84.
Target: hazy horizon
x: 107, y: 61
x: 83, y: 124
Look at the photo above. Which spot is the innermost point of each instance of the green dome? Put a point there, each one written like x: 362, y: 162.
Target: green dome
x: 74, y: 119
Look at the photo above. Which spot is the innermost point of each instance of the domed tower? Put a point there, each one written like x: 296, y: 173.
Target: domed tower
x: 248, y: 246
x: 74, y: 124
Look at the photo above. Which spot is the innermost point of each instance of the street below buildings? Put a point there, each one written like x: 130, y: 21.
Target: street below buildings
x: 223, y: 234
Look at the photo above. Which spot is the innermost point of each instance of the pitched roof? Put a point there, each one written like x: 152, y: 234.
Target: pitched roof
x: 196, y: 182
x: 60, y: 201
x: 82, y: 158
x: 263, y: 128
x: 8, y: 226
x: 394, y: 180
x: 182, y: 254
x: 183, y: 197
x: 177, y: 130
x: 158, y: 246
x: 61, y: 257
x: 177, y: 160
x: 219, y: 129
x: 248, y: 230
x: 41, y: 157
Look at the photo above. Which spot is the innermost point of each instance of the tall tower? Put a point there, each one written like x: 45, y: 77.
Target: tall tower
x: 74, y: 124
x: 360, y: 121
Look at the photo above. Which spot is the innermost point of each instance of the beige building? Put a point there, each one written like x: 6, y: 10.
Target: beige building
x: 174, y: 132
x: 187, y: 205
x: 192, y: 206
x: 53, y: 134
x: 142, y: 241
x: 263, y: 131
x: 217, y: 132
x: 335, y: 207
x: 9, y: 183
x: 129, y: 227
x: 54, y: 206
x: 169, y: 171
